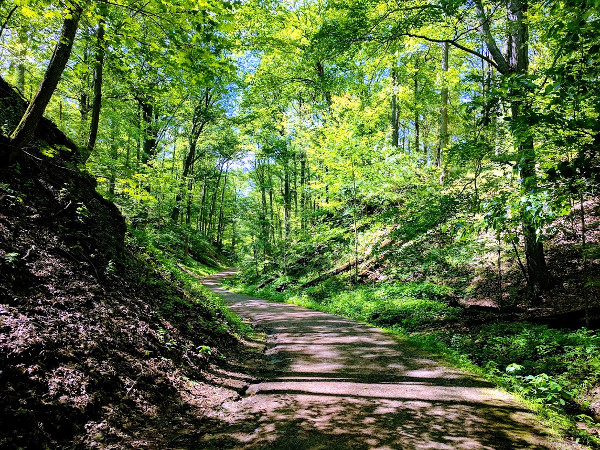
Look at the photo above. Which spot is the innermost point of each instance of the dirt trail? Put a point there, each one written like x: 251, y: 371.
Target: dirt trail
x: 333, y: 383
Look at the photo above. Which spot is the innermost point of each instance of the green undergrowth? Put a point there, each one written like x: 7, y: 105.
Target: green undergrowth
x: 552, y: 370
x: 167, y: 255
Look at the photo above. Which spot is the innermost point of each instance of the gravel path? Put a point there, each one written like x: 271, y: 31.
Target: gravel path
x: 332, y: 383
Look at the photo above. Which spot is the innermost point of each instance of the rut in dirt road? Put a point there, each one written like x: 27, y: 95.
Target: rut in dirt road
x: 339, y: 384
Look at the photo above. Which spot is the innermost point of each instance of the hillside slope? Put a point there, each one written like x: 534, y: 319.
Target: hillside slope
x: 97, y: 349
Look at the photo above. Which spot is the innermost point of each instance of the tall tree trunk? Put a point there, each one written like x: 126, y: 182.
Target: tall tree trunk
x: 187, y: 170
x: 539, y: 276
x: 395, y: 112
x: 203, y: 205
x: 517, y: 62
x: 323, y: 83
x: 220, y: 226
x: 303, y: 202
x: 264, y: 211
x: 149, y: 119
x: 287, y: 202
x: 25, y: 131
x: 98, y: 69
x: 443, y: 142
x: 417, y: 115
x: 84, y: 101
x: 213, y: 203
x: 22, y: 39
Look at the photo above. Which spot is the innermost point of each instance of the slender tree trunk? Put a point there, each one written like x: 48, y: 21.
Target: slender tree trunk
x: 303, y: 191
x: 220, y: 226
x: 263, y: 214
x: 295, y: 193
x: 98, y: 69
x: 443, y: 142
x: 213, y: 203
x: 287, y: 203
x: 395, y: 113
x: 22, y: 39
x: 517, y: 62
x: 416, y: 112
x: 84, y: 101
x: 274, y: 224
x: 203, y: 206
x: 190, y: 196
x: 187, y: 169
x: 25, y: 131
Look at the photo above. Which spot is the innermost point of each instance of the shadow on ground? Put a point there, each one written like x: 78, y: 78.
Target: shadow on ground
x: 332, y: 383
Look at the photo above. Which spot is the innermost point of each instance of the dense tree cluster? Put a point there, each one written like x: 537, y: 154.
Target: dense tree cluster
x: 295, y: 132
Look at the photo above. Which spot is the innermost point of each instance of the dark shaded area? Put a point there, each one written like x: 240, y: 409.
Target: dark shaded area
x: 97, y: 349
x: 13, y: 107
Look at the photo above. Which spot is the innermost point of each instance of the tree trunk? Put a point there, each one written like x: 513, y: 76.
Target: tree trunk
x: 98, y: 69
x: 187, y: 169
x: 25, y: 131
x: 220, y: 226
x: 213, y: 202
x: 395, y: 114
x: 517, y: 62
x: 287, y: 202
x: 417, y: 115
x: 539, y: 276
x: 443, y: 142
x: 302, y: 191
x: 21, y: 61
x: 149, y: 117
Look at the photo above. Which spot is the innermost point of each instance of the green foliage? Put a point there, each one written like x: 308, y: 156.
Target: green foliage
x: 186, y: 272
x: 548, y: 365
x: 409, y: 307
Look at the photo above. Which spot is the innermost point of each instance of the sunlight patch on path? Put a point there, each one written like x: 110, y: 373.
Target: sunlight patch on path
x: 334, y: 383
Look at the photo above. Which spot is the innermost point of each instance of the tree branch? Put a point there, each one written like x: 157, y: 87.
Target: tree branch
x: 7, y: 19
x: 501, y: 63
x: 457, y: 45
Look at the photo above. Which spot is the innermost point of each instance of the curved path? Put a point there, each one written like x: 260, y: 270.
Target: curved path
x: 334, y: 383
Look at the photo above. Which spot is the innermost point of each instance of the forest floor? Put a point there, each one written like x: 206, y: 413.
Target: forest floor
x: 335, y: 383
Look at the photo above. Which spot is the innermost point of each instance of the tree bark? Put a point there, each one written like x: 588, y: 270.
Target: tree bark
x: 98, y: 69
x: 287, y: 202
x: 25, y: 131
x: 150, y: 133
x: 21, y: 62
x: 443, y: 142
x: 517, y: 62
x: 395, y: 115
x: 417, y: 115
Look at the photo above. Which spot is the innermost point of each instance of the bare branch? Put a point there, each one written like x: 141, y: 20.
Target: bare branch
x: 454, y: 43
x: 501, y: 63
x: 7, y: 19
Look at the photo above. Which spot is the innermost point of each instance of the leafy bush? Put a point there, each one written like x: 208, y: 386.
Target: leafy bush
x: 548, y: 365
x: 413, y: 314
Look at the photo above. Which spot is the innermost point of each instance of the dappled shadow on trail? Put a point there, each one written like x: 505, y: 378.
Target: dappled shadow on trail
x: 332, y: 383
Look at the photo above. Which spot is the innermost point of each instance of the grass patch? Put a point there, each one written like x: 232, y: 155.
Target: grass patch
x: 181, y: 268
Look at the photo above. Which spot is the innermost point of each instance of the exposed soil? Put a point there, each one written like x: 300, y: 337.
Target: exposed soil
x: 89, y: 353
x: 97, y: 350
x: 335, y: 383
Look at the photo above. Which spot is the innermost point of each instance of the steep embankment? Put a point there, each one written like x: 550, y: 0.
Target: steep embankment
x: 96, y: 348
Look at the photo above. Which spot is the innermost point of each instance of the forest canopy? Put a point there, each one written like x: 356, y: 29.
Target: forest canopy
x: 288, y: 132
